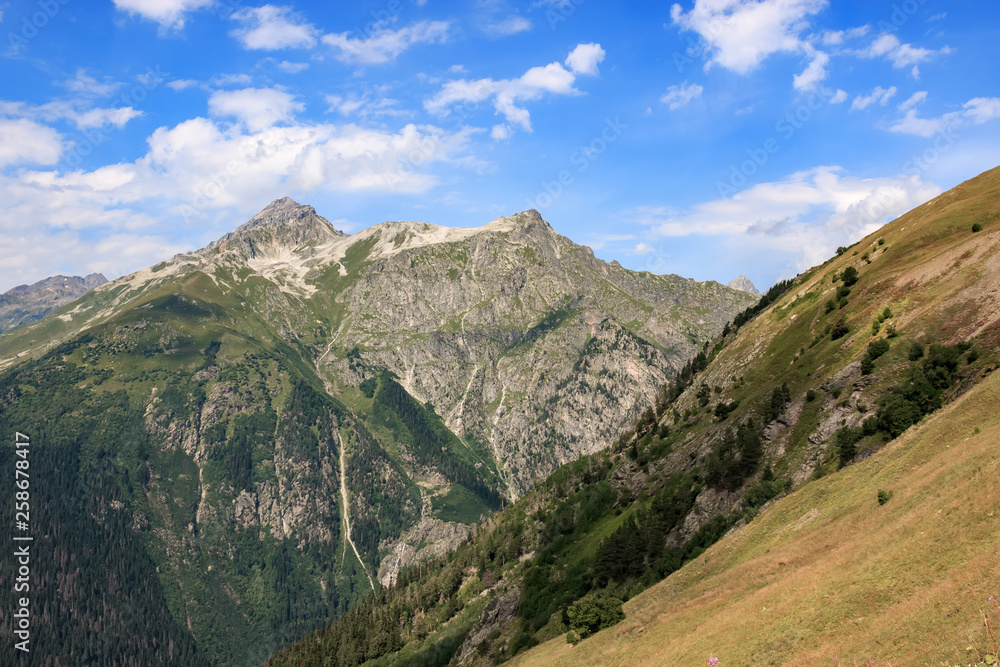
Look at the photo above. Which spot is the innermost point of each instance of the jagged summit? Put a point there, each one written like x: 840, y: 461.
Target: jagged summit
x: 744, y: 284
x: 283, y: 225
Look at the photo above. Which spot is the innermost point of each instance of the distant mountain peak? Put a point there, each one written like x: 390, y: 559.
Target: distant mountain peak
x: 25, y: 304
x: 283, y: 224
x: 744, y: 284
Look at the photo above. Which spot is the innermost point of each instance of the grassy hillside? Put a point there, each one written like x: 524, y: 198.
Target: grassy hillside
x: 828, y: 574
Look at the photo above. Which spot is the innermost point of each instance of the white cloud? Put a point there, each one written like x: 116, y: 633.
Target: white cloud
x: 508, y: 26
x: 532, y: 85
x: 386, y: 45
x: 680, y: 96
x: 643, y: 248
x: 879, y: 95
x: 292, y: 68
x: 77, y: 111
x: 181, y: 84
x: 839, y: 97
x: 814, y: 74
x: 974, y: 112
x: 806, y: 215
x: 900, y: 55
x: 23, y: 141
x: 103, y: 117
x: 982, y: 109
x: 457, y: 69
x: 913, y: 100
x: 742, y: 33
x: 271, y: 28
x: 501, y: 132
x: 585, y: 58
x: 241, y: 79
x: 838, y: 37
x: 86, y: 85
x: 168, y: 13
x: 257, y: 108
x: 367, y: 105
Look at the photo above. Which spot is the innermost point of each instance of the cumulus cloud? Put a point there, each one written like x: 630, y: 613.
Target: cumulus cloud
x: 168, y: 13
x: 806, y: 215
x: 23, y: 141
x: 814, y: 74
x: 271, y: 28
x: 585, y: 58
x: 680, y: 96
x: 740, y: 34
x: 257, y: 108
x: 553, y: 78
x: 976, y: 111
x: 385, y: 44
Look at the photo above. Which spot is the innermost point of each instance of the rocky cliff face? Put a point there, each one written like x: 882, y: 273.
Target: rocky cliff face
x: 25, y: 304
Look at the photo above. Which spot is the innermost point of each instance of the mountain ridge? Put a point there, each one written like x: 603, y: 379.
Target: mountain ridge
x: 271, y: 392
x: 25, y: 304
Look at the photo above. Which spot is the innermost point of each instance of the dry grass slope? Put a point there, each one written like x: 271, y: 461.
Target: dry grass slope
x: 828, y: 575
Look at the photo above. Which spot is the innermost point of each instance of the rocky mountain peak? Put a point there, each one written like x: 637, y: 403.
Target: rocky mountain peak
x: 283, y: 225
x: 744, y: 284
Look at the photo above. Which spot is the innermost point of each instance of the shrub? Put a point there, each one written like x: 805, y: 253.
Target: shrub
x: 847, y: 438
x: 850, y: 276
x: 843, y: 291
x: 867, y: 365
x: 887, y: 313
x: 870, y: 426
x: 831, y: 306
x: 890, y: 330
x: 916, y: 351
x: 840, y: 329
x: 884, y: 496
x: 973, y: 356
x: 977, y: 228
x: 876, y: 327
x: 881, y: 241
x: 811, y: 395
x: 572, y: 638
x: 877, y: 348
x: 592, y: 613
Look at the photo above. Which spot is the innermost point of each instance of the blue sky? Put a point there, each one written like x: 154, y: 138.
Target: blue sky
x: 709, y: 138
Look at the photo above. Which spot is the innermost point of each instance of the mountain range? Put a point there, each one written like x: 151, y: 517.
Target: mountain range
x: 29, y: 303
x: 242, y: 442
